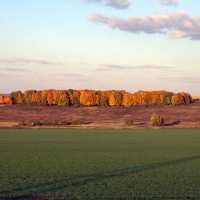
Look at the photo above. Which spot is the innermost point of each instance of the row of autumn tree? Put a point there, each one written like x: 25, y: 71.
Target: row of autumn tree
x: 96, y: 98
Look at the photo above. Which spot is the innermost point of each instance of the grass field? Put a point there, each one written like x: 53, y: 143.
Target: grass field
x: 100, y: 164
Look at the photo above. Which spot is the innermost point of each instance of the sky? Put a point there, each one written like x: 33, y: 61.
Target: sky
x: 100, y: 44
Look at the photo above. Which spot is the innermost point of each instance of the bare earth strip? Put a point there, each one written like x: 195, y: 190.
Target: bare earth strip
x: 184, y: 116
x: 196, y: 97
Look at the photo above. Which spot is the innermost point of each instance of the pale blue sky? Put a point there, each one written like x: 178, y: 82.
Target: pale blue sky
x: 65, y: 44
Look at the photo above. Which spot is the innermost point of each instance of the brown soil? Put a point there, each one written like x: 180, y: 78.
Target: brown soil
x: 185, y: 116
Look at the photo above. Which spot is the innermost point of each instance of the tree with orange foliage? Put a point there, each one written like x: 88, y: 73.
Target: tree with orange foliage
x: 139, y: 98
x: 89, y: 98
x: 38, y: 98
x: 43, y: 96
x: 50, y: 97
x: 1, y: 100
x: 34, y: 98
x: 135, y: 100
x: 20, y: 99
x: 147, y: 98
x: 112, y: 100
x: 127, y: 99
x: 28, y: 96
x: 7, y: 100
x: 187, y: 98
x: 116, y: 98
x: 177, y: 99
x: 155, y: 98
x: 143, y: 97
x: 55, y: 97
x: 95, y: 98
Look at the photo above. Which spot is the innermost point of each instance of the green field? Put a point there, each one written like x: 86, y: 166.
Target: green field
x: 100, y: 164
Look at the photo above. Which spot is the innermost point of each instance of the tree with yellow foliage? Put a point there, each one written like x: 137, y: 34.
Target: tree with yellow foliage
x: 177, y: 99
x: 116, y: 98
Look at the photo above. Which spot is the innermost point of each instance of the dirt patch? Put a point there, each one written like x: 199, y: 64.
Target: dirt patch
x: 8, y: 124
x: 184, y: 116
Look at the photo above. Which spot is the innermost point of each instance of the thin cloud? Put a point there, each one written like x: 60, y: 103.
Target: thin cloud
x: 117, y: 4
x: 16, y: 70
x: 71, y: 75
x: 81, y: 80
x: 74, y: 80
x: 169, y: 2
x: 176, y: 25
x: 182, y: 79
x: 28, y: 62
x: 109, y: 67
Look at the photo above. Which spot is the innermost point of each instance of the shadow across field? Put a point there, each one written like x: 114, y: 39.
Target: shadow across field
x: 172, y: 123
x: 76, y: 181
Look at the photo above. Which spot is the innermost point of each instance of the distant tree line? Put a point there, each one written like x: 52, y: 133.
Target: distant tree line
x: 96, y: 98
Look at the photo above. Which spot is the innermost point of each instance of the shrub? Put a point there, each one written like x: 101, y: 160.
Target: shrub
x: 26, y: 123
x: 29, y: 123
x: 45, y: 123
x: 156, y: 120
x: 75, y: 122
x: 129, y: 122
x: 37, y: 123
x: 64, y: 123
x: 21, y: 124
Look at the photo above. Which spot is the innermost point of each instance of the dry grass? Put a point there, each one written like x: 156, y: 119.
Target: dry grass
x: 104, y: 117
x: 8, y: 124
